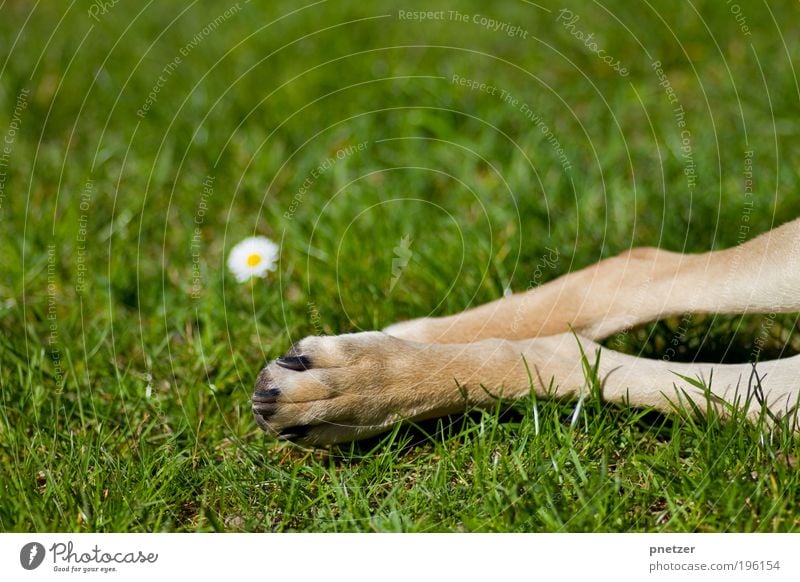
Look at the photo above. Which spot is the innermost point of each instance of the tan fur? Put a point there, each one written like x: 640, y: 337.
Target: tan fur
x: 358, y: 385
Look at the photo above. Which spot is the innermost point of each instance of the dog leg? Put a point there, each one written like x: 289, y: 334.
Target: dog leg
x: 333, y: 389
x: 641, y: 285
x: 347, y: 387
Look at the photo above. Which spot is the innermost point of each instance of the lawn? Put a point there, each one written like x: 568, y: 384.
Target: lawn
x: 408, y: 164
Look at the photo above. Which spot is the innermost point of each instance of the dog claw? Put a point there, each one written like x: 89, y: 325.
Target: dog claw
x: 293, y: 433
x: 265, y: 396
x: 264, y: 410
x: 296, y: 363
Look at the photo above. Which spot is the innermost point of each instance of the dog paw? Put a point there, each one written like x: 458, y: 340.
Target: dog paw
x: 333, y: 389
x: 341, y: 388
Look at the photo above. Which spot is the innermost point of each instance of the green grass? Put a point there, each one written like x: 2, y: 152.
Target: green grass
x: 125, y: 398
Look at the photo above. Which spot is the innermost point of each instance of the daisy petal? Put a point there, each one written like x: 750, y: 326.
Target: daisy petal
x: 253, y: 257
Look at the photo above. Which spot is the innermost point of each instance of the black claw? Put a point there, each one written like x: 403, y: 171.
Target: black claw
x: 265, y: 409
x: 264, y: 396
x: 297, y: 363
x: 261, y: 421
x: 294, y: 433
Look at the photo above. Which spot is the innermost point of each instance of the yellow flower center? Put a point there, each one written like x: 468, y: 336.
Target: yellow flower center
x: 253, y: 260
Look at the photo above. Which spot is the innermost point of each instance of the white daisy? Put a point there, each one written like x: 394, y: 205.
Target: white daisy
x: 253, y: 257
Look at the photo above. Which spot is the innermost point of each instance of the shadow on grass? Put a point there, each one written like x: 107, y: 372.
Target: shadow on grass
x: 421, y: 437
x: 713, y: 338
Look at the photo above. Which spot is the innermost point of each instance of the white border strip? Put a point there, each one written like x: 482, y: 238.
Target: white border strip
x: 402, y: 557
